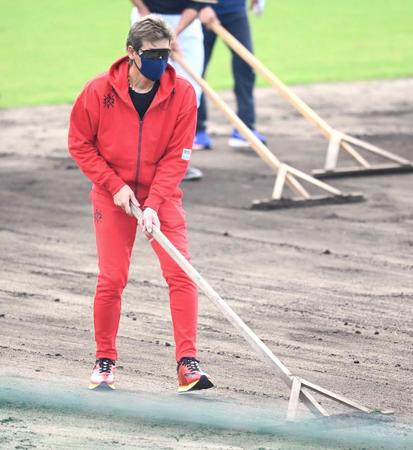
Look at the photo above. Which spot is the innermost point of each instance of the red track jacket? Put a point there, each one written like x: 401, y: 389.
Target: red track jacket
x: 114, y: 147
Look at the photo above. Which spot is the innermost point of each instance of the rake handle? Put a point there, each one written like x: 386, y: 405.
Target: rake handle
x: 260, y: 68
x: 263, y: 351
x: 265, y: 154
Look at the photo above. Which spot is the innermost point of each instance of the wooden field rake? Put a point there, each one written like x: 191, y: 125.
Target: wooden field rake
x: 300, y: 389
x: 337, y: 139
x: 286, y: 174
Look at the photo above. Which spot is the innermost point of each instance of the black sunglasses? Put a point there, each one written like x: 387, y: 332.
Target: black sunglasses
x: 155, y: 53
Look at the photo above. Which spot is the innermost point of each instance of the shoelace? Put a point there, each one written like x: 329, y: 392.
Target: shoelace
x: 105, y: 365
x: 192, y: 364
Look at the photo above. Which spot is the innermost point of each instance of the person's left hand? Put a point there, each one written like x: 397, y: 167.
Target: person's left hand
x: 148, y: 220
x: 257, y: 6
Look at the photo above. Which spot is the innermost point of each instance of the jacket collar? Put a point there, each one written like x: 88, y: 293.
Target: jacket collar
x: 118, y: 77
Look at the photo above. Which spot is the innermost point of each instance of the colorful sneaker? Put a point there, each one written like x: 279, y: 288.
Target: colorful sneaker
x: 192, y: 174
x: 238, y: 141
x: 103, y: 374
x: 191, y: 377
x: 202, y: 141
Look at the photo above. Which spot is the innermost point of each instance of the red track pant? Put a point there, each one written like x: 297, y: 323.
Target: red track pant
x: 115, y: 236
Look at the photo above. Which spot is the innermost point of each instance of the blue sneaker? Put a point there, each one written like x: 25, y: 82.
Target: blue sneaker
x: 237, y: 140
x: 202, y: 141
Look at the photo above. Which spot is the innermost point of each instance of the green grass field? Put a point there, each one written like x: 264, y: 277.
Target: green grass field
x: 50, y: 48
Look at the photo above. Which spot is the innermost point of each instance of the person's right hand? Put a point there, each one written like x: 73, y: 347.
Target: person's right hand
x: 207, y: 16
x: 123, y: 197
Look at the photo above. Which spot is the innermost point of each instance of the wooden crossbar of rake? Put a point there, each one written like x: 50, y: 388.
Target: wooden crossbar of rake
x: 337, y: 140
x: 300, y: 389
x: 286, y: 174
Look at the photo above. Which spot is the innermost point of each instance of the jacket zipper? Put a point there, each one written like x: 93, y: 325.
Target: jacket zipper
x: 138, y: 161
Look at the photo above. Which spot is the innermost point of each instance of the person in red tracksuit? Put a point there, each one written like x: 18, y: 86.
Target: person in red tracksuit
x: 131, y: 132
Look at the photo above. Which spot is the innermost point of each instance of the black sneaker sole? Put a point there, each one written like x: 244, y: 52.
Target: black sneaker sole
x: 203, y: 383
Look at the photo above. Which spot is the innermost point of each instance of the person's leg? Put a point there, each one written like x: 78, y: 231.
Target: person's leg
x: 244, y: 77
x: 183, y: 292
x: 202, y: 116
x: 209, y: 41
x: 192, y: 46
x: 115, y: 235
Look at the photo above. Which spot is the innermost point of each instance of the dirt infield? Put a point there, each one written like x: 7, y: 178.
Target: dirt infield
x: 329, y: 289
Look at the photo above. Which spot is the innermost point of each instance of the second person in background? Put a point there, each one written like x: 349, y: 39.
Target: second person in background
x: 232, y: 15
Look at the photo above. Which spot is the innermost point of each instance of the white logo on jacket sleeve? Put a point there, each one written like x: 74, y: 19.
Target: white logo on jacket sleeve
x: 186, y: 154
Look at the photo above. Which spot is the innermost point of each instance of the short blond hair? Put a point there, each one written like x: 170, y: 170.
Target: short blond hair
x: 149, y: 28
